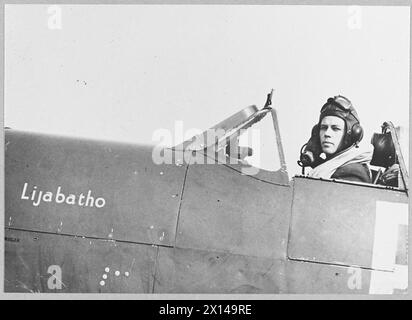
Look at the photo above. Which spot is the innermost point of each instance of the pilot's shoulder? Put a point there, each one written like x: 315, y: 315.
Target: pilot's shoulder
x: 353, y: 172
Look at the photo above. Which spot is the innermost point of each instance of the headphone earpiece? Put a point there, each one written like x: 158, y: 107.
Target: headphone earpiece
x: 356, y: 133
x: 310, y: 151
x: 315, y: 131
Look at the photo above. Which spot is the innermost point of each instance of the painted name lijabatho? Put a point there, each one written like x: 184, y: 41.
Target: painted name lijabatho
x: 83, y: 200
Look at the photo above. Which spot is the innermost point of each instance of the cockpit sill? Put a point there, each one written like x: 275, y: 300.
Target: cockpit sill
x: 356, y: 183
x: 211, y: 157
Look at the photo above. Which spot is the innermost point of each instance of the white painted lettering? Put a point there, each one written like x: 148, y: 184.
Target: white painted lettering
x: 89, y: 198
x: 37, y: 196
x: 23, y: 194
x: 60, y: 197
x: 100, y: 202
x: 71, y: 199
x: 48, y: 196
x: 81, y: 197
x: 34, y: 193
x: 38, y: 199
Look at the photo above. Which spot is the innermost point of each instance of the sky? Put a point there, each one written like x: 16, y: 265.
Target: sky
x: 123, y: 72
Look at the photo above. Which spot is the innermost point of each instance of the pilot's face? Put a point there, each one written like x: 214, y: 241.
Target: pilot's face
x: 331, y: 134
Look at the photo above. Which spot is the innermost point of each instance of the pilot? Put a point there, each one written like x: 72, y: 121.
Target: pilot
x: 333, y: 150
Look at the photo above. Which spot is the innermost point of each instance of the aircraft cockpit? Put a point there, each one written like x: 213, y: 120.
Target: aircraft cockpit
x: 232, y: 142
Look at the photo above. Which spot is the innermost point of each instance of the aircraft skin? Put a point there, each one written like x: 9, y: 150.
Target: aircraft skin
x: 188, y: 227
